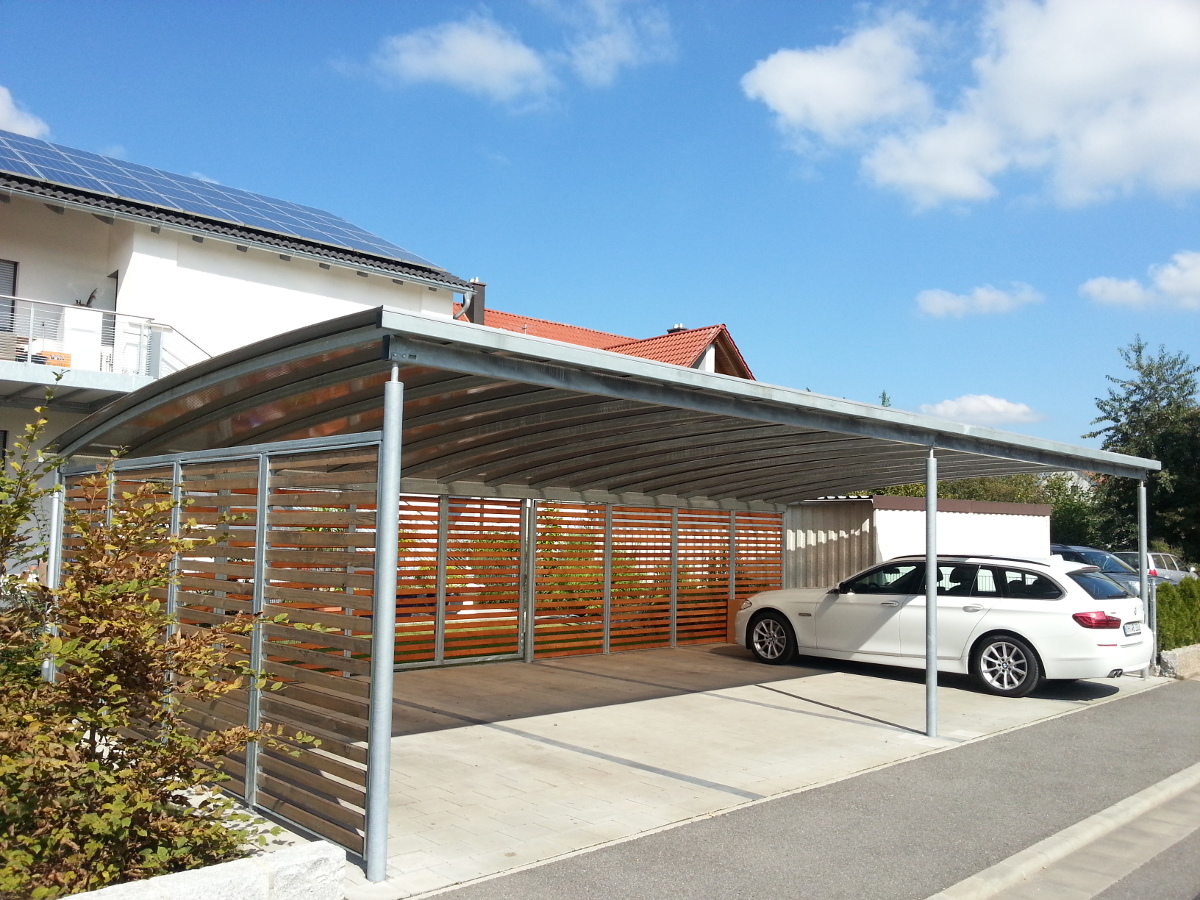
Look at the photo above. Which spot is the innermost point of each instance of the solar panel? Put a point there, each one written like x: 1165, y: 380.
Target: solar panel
x: 97, y: 174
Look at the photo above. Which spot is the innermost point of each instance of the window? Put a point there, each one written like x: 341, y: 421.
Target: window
x: 987, y: 582
x: 1099, y: 586
x: 955, y: 580
x: 8, y: 289
x: 1021, y: 585
x: 897, y: 578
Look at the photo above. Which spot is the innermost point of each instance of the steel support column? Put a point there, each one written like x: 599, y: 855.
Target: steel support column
x: 1145, y: 591
x: 172, y: 585
x: 529, y: 576
x: 931, y: 582
x: 383, y: 630
x: 674, y: 576
x: 731, y: 610
x: 258, y: 600
x: 608, y: 549
x: 439, y: 615
x: 54, y: 555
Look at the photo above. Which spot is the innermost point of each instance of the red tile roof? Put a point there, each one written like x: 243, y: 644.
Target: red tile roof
x: 680, y: 348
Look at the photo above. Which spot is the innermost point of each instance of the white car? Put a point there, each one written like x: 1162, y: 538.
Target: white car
x: 1008, y: 622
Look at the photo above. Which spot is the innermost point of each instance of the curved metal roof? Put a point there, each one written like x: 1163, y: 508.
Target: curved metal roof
x: 492, y: 411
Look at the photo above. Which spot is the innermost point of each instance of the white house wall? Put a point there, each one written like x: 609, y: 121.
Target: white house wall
x: 216, y: 295
x: 223, y: 298
x: 900, y: 532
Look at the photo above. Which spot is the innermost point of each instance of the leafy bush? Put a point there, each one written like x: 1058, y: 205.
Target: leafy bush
x: 1179, y: 614
x: 101, y: 779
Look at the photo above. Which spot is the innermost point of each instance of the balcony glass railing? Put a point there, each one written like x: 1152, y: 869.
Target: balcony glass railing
x: 79, y: 337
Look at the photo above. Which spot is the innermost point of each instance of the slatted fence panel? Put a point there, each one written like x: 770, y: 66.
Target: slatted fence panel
x: 416, y: 580
x: 759, y: 563
x: 641, y: 578
x: 703, y: 587
x: 483, y: 602
x: 569, y: 596
x: 320, y: 572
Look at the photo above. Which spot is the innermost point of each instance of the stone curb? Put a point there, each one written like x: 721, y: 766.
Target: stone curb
x: 1182, y: 662
x: 1021, y: 865
x: 309, y: 871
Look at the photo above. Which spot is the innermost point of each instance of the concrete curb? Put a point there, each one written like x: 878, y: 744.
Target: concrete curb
x: 1021, y: 865
x: 310, y: 871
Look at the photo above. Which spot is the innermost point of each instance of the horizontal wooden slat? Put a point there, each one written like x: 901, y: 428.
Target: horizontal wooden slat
x: 318, y: 598
x: 328, y: 579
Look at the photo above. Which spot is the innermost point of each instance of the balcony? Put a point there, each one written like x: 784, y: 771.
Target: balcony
x: 80, y: 338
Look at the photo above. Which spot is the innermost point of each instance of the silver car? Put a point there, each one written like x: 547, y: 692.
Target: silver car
x: 1164, y: 565
x: 1109, y: 564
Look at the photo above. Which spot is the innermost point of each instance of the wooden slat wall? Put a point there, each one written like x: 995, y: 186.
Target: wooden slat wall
x: 703, y: 587
x: 483, y: 578
x: 759, y: 563
x: 320, y: 571
x: 641, y: 578
x: 416, y: 580
x: 569, y: 595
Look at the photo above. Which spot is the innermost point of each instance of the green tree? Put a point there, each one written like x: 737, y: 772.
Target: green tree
x: 1152, y: 412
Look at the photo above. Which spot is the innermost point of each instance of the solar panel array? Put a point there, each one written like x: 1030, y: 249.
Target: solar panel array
x: 77, y: 169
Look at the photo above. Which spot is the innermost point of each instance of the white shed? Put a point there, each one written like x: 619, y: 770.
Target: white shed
x: 829, y: 540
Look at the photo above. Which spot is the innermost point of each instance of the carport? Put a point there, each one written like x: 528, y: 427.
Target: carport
x: 336, y: 464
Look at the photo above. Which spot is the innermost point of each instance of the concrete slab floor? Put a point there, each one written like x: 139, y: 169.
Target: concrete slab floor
x: 504, y: 765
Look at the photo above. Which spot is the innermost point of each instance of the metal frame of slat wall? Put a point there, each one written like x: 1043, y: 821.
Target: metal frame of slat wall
x: 303, y: 547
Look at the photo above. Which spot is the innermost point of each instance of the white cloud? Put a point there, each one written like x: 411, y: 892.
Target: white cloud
x: 476, y: 55
x: 1097, y: 96
x: 982, y: 409
x: 482, y: 57
x: 611, y: 36
x: 14, y: 118
x: 835, y: 92
x: 981, y: 301
x: 1173, y: 284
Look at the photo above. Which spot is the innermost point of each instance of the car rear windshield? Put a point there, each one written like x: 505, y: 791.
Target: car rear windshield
x: 1098, y: 586
x: 1106, y: 562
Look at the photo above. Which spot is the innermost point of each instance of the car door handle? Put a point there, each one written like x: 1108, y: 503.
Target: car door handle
x: 889, y: 603
x: 974, y: 607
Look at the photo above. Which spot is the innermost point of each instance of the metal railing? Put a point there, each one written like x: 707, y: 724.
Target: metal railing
x: 95, y: 340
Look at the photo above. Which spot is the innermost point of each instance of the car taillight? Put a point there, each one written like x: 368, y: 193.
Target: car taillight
x: 1097, y: 620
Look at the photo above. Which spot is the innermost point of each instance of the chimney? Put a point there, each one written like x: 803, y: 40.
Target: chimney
x: 475, y: 310
x: 678, y: 326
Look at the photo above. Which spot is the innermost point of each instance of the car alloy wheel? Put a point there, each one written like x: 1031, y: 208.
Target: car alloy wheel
x: 771, y: 639
x: 1007, y: 666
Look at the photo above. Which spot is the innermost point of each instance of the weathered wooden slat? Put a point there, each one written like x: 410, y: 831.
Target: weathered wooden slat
x: 313, y: 760
x: 328, y: 579
x: 323, y: 538
x: 346, y: 557
x: 284, y: 769
x: 323, y: 498
x: 276, y: 650
x: 337, y: 683
x: 345, y: 836
x: 327, y: 639
x: 318, y: 598
x: 321, y: 617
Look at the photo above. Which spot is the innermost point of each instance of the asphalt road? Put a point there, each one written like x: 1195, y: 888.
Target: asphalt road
x: 910, y: 830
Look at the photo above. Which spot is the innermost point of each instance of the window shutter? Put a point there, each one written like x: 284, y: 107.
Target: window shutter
x: 8, y: 278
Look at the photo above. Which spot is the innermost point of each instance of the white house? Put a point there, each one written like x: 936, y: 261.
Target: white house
x: 116, y: 274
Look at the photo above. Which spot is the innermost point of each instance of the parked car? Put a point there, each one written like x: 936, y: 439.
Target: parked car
x: 1162, y: 565
x: 1108, y: 563
x: 1008, y: 622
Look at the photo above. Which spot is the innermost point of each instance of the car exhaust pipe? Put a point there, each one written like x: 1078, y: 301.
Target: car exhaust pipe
x: 1116, y: 673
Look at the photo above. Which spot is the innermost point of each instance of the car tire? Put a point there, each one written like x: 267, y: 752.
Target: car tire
x: 1006, y: 666
x: 771, y: 639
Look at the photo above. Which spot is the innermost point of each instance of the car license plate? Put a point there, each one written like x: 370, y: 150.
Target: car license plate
x: 1133, y: 627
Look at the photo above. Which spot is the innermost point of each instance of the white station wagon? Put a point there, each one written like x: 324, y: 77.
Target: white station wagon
x: 1008, y: 622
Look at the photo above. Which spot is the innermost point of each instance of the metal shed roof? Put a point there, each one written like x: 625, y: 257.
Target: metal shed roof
x: 493, y: 412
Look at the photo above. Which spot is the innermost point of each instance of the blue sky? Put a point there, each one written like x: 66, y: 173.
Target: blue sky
x: 970, y: 206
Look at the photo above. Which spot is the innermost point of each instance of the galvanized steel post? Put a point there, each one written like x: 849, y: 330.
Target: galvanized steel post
x: 439, y: 620
x: 674, y: 576
x: 172, y: 585
x: 1145, y: 591
x: 54, y: 556
x: 258, y: 602
x: 931, y: 582
x: 529, y: 576
x: 608, y: 550
x: 383, y: 629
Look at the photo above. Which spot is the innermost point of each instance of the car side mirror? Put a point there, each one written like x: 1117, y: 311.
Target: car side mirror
x: 844, y: 588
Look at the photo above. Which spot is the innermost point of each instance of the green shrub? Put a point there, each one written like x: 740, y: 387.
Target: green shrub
x: 1179, y: 614
x: 102, y: 780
